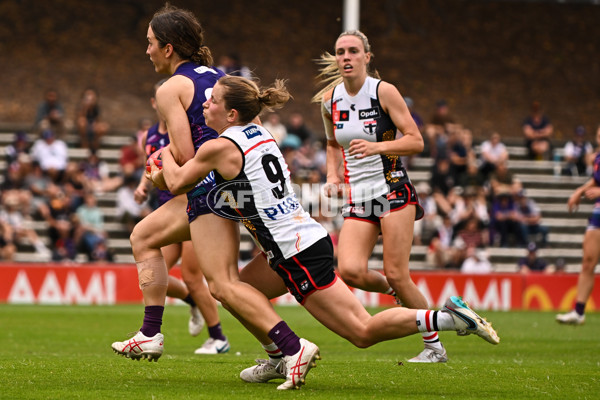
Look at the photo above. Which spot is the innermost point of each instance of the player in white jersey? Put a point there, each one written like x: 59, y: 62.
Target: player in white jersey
x: 363, y: 116
x: 252, y: 180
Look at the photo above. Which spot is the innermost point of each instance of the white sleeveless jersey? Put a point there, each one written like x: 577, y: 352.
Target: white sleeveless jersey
x: 263, y: 197
x: 362, y: 117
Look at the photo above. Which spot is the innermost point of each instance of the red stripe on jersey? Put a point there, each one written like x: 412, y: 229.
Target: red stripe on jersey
x: 347, y: 177
x: 258, y: 144
x: 427, y: 323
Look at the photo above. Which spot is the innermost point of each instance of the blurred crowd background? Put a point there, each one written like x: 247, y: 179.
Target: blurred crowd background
x: 481, y: 77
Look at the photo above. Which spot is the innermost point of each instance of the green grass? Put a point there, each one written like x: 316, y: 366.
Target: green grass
x: 53, y: 352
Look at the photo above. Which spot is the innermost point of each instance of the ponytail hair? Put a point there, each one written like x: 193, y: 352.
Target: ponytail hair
x: 244, y: 96
x: 329, y: 73
x: 182, y: 30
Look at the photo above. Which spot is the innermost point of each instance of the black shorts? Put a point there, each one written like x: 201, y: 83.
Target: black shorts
x: 373, y: 210
x: 309, y: 270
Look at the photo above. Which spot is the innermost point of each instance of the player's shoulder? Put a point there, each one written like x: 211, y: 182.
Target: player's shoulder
x: 327, y: 95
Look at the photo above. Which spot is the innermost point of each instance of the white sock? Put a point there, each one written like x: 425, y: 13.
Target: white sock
x: 274, y: 353
x: 433, y: 321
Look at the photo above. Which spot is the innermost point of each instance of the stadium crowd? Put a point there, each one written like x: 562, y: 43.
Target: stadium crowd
x: 471, y: 200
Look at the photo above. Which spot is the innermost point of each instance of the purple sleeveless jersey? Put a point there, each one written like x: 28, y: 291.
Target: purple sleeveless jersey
x: 154, y: 141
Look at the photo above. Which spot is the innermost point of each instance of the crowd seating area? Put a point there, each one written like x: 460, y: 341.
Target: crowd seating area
x: 549, y: 191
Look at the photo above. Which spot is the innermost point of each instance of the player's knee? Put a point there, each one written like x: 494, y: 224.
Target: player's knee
x: 361, y: 339
x: 152, y: 272
x: 351, y: 276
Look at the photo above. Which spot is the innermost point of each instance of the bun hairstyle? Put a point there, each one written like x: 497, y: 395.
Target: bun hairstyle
x: 249, y: 100
x: 181, y: 29
x: 329, y: 74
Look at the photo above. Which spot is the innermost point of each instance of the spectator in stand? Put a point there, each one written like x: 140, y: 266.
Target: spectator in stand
x: 52, y: 155
x: 492, y: 153
x: 502, y: 180
x: 129, y: 212
x: 37, y: 183
x: 531, y: 219
x: 97, y: 174
x: 426, y: 227
x: 477, y: 262
x: 7, y: 247
x: 468, y: 239
x: 441, y: 180
x: 19, y: 166
x: 440, y: 250
x: 436, y: 132
x: 506, y: 221
x: 90, y: 234
x: 231, y: 64
x: 471, y: 205
x: 297, y: 126
x: 11, y: 215
x: 578, y: 154
x: 51, y: 114
x: 473, y: 177
x: 132, y: 160
x: 458, y: 155
x: 415, y: 115
x: 90, y: 126
x: 532, y: 262
x: 59, y: 215
x: 408, y: 160
x: 18, y: 149
x: 538, y: 131
x: 273, y: 124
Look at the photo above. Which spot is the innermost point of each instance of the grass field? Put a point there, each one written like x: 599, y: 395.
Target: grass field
x: 54, y: 352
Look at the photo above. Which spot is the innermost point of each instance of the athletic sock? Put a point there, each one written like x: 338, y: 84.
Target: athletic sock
x: 275, y: 355
x: 430, y: 321
x: 152, y: 320
x: 216, y: 332
x: 432, y: 340
x: 285, y: 339
x: 580, y: 308
x: 392, y: 292
x: 188, y: 299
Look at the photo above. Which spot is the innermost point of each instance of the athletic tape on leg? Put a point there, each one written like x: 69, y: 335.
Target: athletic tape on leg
x: 152, y: 272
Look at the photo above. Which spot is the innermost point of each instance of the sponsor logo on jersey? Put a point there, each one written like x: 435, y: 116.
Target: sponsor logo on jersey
x: 370, y: 127
x: 341, y: 115
x: 252, y: 131
x: 339, y: 126
x: 282, y: 209
x: 369, y: 113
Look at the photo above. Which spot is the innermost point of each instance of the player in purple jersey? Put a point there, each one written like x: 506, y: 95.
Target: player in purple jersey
x: 591, y: 243
x: 246, y: 156
x: 203, y: 307
x: 176, y: 48
x: 362, y: 115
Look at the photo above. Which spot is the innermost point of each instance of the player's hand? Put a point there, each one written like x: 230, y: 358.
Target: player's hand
x: 141, y: 193
x: 333, y: 189
x: 361, y: 148
x: 157, y: 178
x: 592, y: 193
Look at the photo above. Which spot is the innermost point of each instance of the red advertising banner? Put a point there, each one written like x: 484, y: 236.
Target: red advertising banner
x: 117, y: 283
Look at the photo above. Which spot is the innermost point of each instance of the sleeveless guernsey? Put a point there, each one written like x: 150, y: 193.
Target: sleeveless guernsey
x: 362, y: 117
x: 263, y: 198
